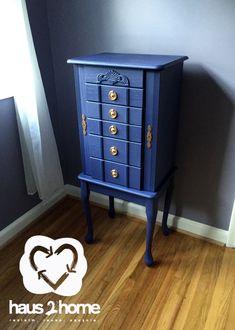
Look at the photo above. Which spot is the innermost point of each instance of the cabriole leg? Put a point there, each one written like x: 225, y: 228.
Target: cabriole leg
x: 111, y: 212
x: 85, y: 192
x: 151, y: 212
x: 165, y: 229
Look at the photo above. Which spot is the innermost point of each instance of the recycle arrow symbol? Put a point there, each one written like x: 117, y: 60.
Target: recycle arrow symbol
x: 49, y: 252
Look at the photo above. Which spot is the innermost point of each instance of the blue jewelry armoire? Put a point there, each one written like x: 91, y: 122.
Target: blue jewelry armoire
x: 127, y: 107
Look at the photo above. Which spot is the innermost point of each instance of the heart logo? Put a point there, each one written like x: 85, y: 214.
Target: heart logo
x: 49, y: 253
x: 49, y: 265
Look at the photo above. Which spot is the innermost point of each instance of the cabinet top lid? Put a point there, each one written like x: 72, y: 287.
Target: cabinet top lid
x: 141, y: 61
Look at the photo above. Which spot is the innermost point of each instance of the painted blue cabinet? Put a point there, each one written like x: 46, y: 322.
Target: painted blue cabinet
x: 127, y: 108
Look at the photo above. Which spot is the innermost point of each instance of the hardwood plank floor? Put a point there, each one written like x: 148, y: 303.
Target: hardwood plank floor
x: 192, y: 285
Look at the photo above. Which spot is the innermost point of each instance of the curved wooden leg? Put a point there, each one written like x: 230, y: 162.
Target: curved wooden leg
x: 151, y: 212
x: 111, y: 212
x: 85, y: 193
x: 165, y: 229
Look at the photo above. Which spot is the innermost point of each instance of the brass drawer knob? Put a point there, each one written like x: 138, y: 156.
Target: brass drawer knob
x: 113, y: 114
x: 113, y: 129
x: 114, y: 173
x: 113, y: 151
x: 112, y: 95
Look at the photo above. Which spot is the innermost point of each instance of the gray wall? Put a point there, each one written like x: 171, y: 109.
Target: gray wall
x: 203, y: 30
x: 37, y: 12
x: 14, y: 200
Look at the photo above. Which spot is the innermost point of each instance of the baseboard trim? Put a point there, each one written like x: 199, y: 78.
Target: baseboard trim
x: 26, y: 219
x: 231, y: 230
x: 138, y: 211
x: 178, y: 223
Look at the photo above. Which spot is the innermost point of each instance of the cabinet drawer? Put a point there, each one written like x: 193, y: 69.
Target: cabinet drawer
x: 115, y: 95
x: 117, y: 113
x: 121, y: 152
x: 114, y: 130
x: 98, y: 127
x: 115, y: 150
x: 114, y: 76
x: 123, y: 175
x: 126, y: 115
x: 122, y: 131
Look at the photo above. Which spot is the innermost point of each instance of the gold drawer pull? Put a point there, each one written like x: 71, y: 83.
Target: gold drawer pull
x: 114, y: 173
x: 113, y: 151
x: 113, y: 129
x: 113, y: 95
x: 113, y: 114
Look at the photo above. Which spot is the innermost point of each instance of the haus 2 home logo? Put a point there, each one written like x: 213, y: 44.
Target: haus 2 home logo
x: 56, y: 266
x: 49, y: 265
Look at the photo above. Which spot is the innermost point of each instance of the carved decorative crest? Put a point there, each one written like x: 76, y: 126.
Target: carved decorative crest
x: 113, y: 77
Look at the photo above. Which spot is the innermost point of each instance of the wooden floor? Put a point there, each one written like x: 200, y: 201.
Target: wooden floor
x: 191, y: 287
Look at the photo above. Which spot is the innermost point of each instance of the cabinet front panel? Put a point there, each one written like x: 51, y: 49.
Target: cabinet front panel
x: 114, y: 119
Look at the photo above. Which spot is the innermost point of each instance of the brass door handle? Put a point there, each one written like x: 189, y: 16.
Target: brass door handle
x: 113, y: 151
x: 149, y: 137
x: 84, y: 124
x: 113, y: 95
x: 113, y: 129
x: 114, y: 173
x: 113, y: 113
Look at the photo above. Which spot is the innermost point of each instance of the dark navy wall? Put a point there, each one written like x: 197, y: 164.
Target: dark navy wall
x: 14, y: 200
x: 204, y: 31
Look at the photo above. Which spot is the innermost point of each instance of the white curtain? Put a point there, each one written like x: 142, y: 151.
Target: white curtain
x: 20, y: 77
